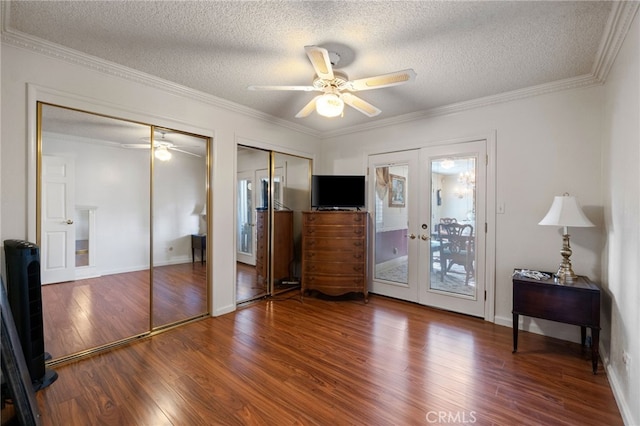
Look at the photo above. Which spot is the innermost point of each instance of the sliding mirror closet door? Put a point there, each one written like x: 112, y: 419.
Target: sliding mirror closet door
x: 252, y: 248
x: 93, y: 230
x: 292, y: 196
x: 179, y: 213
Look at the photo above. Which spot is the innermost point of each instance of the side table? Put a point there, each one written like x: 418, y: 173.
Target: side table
x: 576, y: 303
x: 198, y: 242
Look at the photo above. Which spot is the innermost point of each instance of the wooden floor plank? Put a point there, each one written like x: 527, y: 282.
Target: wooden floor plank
x: 319, y: 361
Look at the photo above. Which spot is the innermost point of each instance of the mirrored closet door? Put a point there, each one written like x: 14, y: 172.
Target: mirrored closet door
x: 118, y: 203
x: 272, y: 191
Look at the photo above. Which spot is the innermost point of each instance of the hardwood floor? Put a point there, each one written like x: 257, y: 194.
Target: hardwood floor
x: 85, y: 314
x: 326, y: 361
x: 247, y: 286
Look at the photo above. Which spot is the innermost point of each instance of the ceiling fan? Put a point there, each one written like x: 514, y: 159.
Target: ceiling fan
x: 162, y: 147
x: 336, y: 86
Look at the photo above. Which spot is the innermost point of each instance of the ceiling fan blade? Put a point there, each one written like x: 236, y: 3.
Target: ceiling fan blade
x: 298, y: 88
x: 183, y: 151
x: 363, y: 106
x: 384, y: 80
x: 308, y: 108
x: 136, y: 145
x: 319, y: 58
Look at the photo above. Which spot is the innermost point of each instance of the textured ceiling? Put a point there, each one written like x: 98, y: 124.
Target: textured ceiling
x: 460, y: 50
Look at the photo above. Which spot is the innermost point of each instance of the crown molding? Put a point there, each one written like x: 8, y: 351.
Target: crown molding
x: 618, y: 24
x: 46, y: 48
x: 557, y: 86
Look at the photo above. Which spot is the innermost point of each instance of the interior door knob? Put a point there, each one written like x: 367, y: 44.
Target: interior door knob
x: 425, y: 237
x: 412, y: 236
x: 69, y: 222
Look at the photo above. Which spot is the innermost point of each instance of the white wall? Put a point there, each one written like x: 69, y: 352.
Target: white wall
x: 133, y: 98
x: 621, y: 269
x: 117, y: 183
x: 546, y: 145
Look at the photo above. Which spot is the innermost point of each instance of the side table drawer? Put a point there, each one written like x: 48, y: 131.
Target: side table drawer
x: 556, y: 304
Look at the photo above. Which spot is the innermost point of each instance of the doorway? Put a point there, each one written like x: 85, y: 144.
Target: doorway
x: 429, y: 215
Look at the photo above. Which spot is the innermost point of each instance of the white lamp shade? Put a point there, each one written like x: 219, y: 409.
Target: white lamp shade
x: 566, y: 211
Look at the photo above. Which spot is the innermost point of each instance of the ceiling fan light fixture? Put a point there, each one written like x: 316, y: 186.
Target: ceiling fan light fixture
x: 162, y: 153
x: 329, y: 105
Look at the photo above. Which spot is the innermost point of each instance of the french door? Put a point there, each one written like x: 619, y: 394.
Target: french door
x: 246, y: 219
x: 428, y: 210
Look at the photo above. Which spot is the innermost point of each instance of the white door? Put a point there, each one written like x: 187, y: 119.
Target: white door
x: 57, y: 240
x: 428, y: 208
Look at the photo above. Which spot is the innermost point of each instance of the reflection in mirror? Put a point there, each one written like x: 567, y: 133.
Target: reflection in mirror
x: 453, y: 225
x: 93, y: 230
x: 179, y: 227
x: 391, y: 242
x: 97, y: 239
x: 252, y: 222
x: 292, y: 196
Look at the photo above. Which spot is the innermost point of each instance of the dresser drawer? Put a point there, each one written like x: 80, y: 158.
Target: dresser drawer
x: 333, y: 285
x: 335, y: 218
x: 355, y: 255
x: 333, y: 244
x: 334, y: 268
x: 337, y: 231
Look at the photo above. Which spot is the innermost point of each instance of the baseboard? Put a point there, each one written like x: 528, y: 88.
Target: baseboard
x: 618, y: 394
x: 539, y: 326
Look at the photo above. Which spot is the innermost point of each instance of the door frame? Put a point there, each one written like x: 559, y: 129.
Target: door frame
x: 490, y: 138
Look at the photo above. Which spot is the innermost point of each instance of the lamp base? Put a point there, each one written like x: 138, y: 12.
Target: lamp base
x: 565, y: 276
x: 565, y: 273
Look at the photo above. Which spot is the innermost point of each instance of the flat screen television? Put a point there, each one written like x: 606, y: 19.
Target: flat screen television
x: 337, y: 192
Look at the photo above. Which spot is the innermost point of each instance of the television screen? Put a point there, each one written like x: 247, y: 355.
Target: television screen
x: 337, y: 191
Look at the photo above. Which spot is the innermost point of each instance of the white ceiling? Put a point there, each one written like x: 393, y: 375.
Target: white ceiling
x: 461, y: 51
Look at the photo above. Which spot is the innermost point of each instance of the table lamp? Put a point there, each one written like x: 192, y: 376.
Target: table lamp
x: 565, y: 211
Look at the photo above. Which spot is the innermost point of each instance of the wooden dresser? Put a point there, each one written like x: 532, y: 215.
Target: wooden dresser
x: 334, y: 252
x: 282, y: 247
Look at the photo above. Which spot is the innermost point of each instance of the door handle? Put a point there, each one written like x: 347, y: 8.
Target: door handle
x: 412, y: 236
x: 69, y: 222
x: 425, y: 237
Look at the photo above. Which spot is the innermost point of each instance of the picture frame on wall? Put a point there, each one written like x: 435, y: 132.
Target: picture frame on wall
x: 398, y: 191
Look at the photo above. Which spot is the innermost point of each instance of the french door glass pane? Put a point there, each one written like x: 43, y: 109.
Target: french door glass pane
x: 245, y: 212
x: 391, y: 221
x: 453, y: 225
